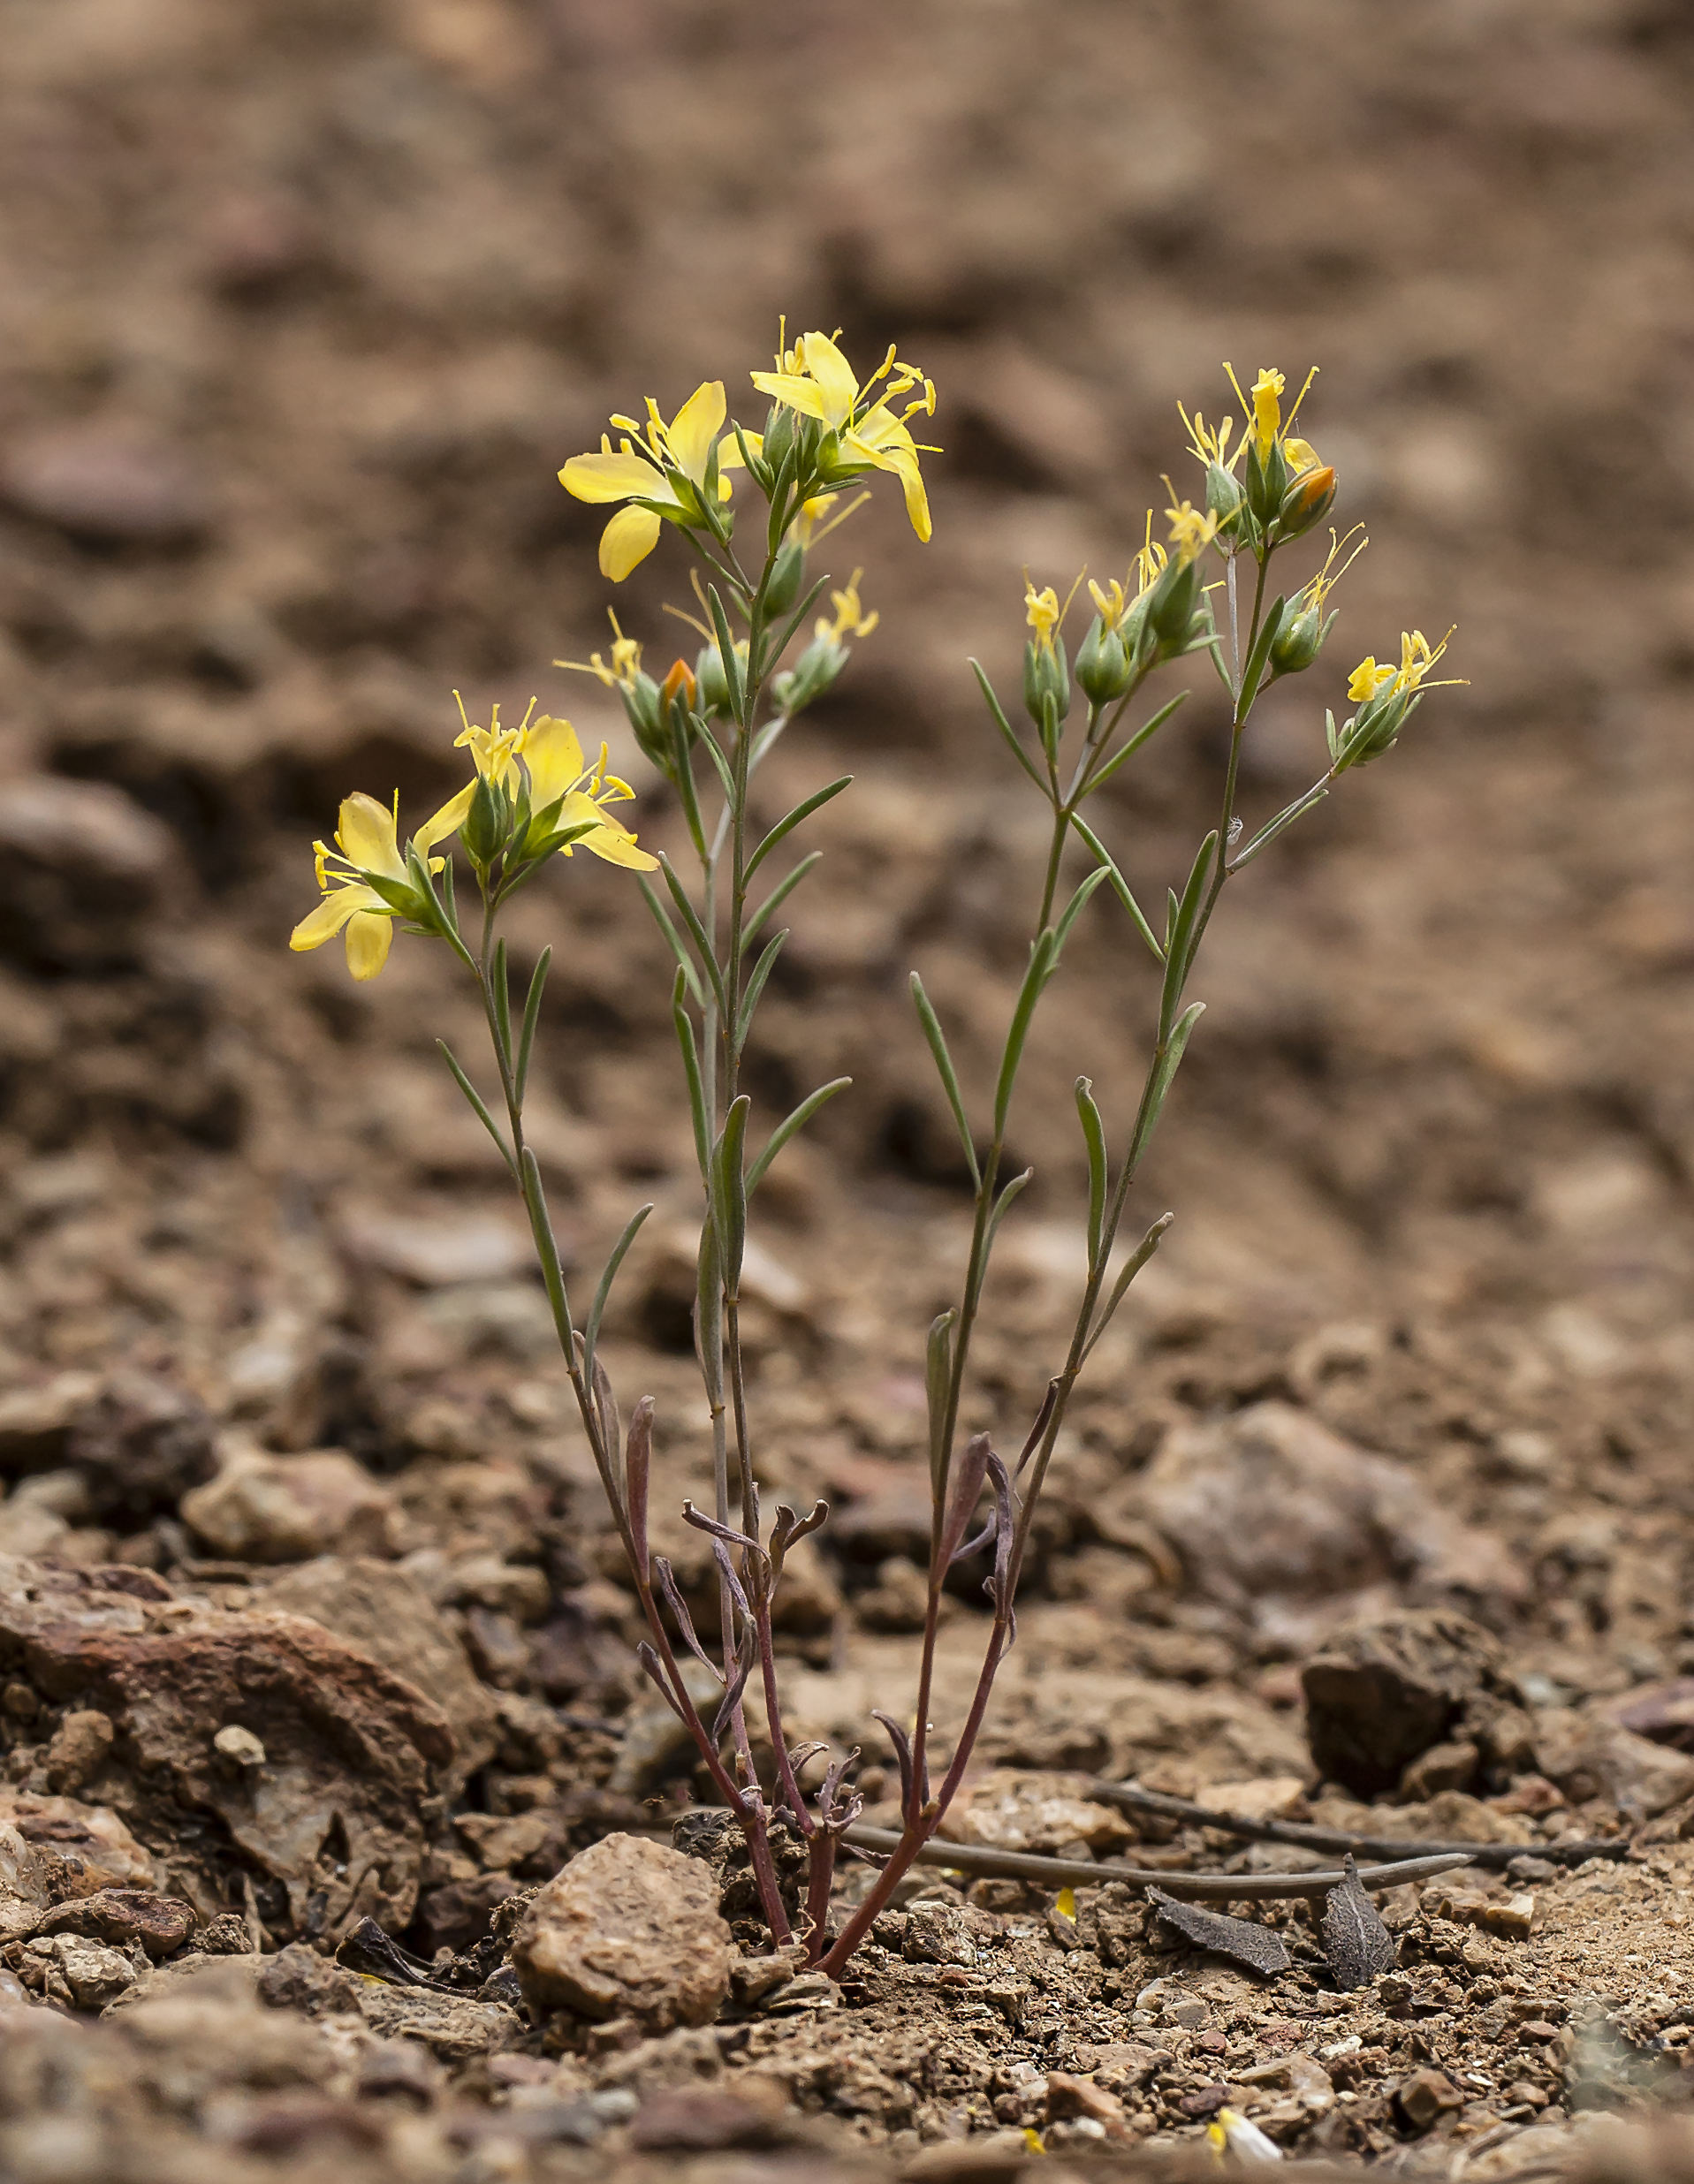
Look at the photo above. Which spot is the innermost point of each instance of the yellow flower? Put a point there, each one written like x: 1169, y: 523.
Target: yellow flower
x: 548, y: 752
x: 661, y: 473
x: 1416, y: 659
x: 367, y: 845
x: 1232, y: 2133
x: 1191, y: 530
x: 814, y: 379
x: 1317, y: 590
x: 1211, y: 444
x: 1367, y: 679
x: 1042, y: 612
x: 849, y: 619
x: 1110, y: 604
x: 1299, y: 455
x: 626, y: 659
x: 1267, y: 411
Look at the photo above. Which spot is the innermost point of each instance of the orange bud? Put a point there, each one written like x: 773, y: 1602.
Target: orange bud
x: 678, y: 684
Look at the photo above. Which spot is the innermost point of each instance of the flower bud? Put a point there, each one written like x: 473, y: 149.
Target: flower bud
x: 1103, y: 667
x: 1300, y: 640
x: 486, y: 829
x: 786, y: 579
x: 711, y: 694
x: 1307, y: 501
x: 1223, y: 495
x: 1170, y: 606
x: 1265, y: 481
x: 1047, y: 685
x: 778, y: 436
x: 811, y: 675
x: 678, y: 683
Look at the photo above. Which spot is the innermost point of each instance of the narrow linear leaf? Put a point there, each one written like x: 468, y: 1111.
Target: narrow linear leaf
x: 762, y: 971
x: 1009, y: 732
x: 1268, y: 833
x: 709, y: 1314
x: 1168, y: 1065
x: 1098, y: 1173
x: 531, y: 1018
x: 726, y: 652
x: 591, y: 1331
x: 501, y: 982
x: 796, y: 817
x: 1254, y: 672
x: 1003, y: 1204
x: 1138, y: 1259
x: 697, y: 933
x: 685, y: 965
x: 1120, y: 887
x: 778, y: 895
x: 729, y: 1192
x: 709, y: 744
x: 933, y: 1033
x: 1143, y: 735
x: 553, y: 1274
x: 790, y: 1127
x: 1041, y: 963
x: 682, y: 767
x: 938, y: 1380
x: 1184, y: 921
x: 478, y: 1108
x: 1075, y: 908
x: 691, y: 1070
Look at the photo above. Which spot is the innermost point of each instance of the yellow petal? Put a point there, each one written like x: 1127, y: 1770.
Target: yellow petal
x: 324, y: 923
x: 627, y: 542
x: 834, y: 377
x: 614, y: 478
x: 368, y: 940
x: 697, y: 425
x: 888, y: 446
x: 366, y: 832
x: 553, y: 755
x: 616, y: 844
x: 729, y: 449
x: 447, y: 821
x: 800, y: 394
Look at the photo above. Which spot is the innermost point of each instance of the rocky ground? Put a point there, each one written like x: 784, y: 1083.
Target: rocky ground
x: 1375, y: 1514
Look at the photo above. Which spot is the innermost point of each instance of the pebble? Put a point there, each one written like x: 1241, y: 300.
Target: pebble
x: 105, y: 485
x: 122, y: 1917
x: 265, y: 1508
x: 1425, y: 2095
x: 628, y: 1929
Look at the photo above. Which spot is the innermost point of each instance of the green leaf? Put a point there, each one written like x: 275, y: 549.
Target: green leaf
x: 697, y: 934
x: 779, y: 895
x: 1138, y: 1259
x: 1141, y: 736
x: 937, y: 1378
x: 1075, y: 908
x: 1008, y: 731
x: 541, y: 1227
x: 591, y: 1332
x: 688, y: 789
x: 501, y: 985
x: 936, y: 1037
x: 1120, y: 887
x: 684, y: 965
x: 1041, y: 963
x: 721, y: 766
x: 790, y: 1127
x: 1003, y: 1204
x: 1165, y: 1069
x: 801, y: 813
x: 728, y: 653
x: 478, y: 1108
x: 1254, y: 671
x: 691, y: 1070
x: 531, y: 1018
x: 1184, y: 919
x: 1268, y: 833
x: 1098, y: 1172
x: 729, y: 1192
x: 762, y: 970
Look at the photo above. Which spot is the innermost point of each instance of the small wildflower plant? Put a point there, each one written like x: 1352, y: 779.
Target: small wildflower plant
x: 1202, y: 593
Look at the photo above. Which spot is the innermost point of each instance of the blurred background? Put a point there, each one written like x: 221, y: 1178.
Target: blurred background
x: 306, y: 301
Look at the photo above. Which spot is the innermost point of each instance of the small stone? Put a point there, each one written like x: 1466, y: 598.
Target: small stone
x: 749, y: 2113
x: 226, y: 1935
x: 752, y: 1978
x: 1537, y: 2032
x: 1382, y: 1694
x: 936, y: 1933
x: 628, y: 1929
x: 238, y: 1746
x: 1069, y: 2098
x: 78, y: 1751
x: 123, y: 1917
x: 266, y: 1508
x: 436, y: 1255
x: 1447, y: 1766
x: 139, y: 1447
x: 1531, y: 1871
x: 1515, y: 1918
x: 93, y: 1972
x: 1425, y: 2095
x: 19, y: 1701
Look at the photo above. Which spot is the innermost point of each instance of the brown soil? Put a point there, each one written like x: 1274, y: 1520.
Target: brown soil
x: 306, y: 303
